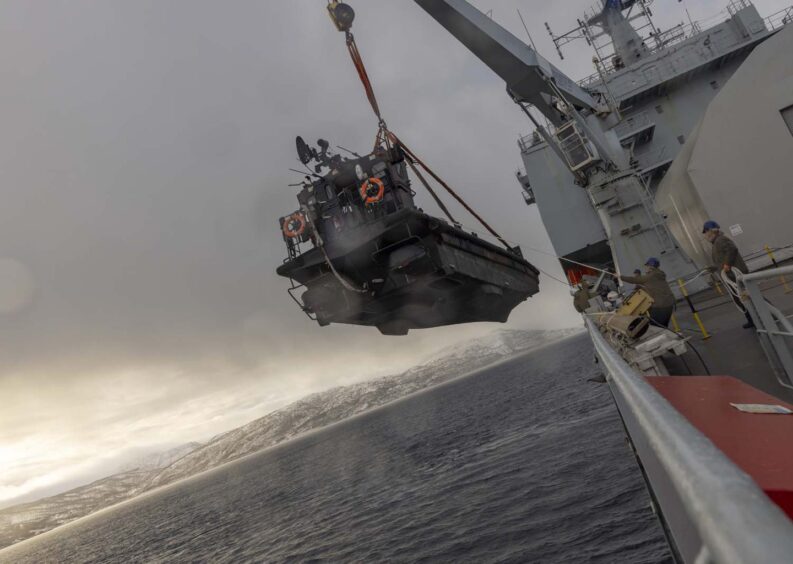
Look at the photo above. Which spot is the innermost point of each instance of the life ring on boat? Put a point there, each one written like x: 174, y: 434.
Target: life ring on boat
x: 294, y: 225
x: 368, y: 198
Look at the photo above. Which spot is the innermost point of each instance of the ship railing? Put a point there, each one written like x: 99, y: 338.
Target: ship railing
x: 663, y: 40
x: 529, y: 141
x: 734, y: 520
x: 773, y: 327
x: 683, y: 31
x: 736, y: 6
x: 779, y: 19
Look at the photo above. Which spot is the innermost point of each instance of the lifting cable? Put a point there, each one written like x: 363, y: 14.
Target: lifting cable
x: 385, y: 135
x: 435, y: 196
x: 448, y: 188
x: 357, y: 61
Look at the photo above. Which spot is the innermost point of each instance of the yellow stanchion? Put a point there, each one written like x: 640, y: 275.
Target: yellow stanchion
x: 705, y: 334
x: 773, y: 261
x: 675, y: 324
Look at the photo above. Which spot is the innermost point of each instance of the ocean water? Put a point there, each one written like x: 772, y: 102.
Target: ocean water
x: 522, y: 462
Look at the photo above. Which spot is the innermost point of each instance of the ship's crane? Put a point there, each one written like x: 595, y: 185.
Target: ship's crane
x: 530, y: 78
x: 583, y: 120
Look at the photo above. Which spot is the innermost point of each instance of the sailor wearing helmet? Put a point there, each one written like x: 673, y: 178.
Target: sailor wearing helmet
x: 654, y: 283
x: 726, y: 257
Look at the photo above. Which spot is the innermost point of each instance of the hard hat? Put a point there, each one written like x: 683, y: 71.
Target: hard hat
x: 710, y: 224
x: 652, y: 261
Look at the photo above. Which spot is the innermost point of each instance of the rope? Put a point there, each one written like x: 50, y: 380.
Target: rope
x: 700, y: 273
x: 321, y: 244
x: 431, y: 191
x: 732, y: 288
x: 338, y: 276
x: 448, y: 188
x: 552, y: 277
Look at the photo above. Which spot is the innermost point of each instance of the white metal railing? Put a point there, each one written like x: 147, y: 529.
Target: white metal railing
x: 773, y: 327
x: 683, y: 31
x: 780, y: 18
x: 664, y: 40
x: 736, y: 6
x: 735, y: 521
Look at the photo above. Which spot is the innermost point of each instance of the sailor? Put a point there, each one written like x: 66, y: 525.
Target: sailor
x: 581, y: 297
x: 726, y: 259
x: 654, y: 283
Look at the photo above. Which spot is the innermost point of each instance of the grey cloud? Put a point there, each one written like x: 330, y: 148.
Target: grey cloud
x: 143, y: 168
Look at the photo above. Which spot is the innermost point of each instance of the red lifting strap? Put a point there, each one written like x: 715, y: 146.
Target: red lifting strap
x: 385, y: 135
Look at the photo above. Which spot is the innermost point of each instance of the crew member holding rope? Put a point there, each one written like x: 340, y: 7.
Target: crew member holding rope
x: 726, y: 258
x: 654, y: 283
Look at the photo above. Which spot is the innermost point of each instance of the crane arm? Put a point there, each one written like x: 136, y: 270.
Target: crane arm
x: 527, y: 74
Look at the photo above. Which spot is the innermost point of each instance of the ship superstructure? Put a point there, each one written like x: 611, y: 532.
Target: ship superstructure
x: 660, y: 84
x: 674, y: 128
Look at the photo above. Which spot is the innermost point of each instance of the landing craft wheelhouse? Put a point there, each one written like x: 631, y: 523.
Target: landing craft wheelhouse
x: 360, y: 252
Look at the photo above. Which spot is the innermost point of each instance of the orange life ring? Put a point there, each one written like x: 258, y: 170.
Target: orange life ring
x: 290, y: 230
x: 367, y: 198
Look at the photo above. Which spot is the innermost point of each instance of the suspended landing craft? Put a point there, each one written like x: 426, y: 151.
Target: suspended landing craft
x: 360, y: 252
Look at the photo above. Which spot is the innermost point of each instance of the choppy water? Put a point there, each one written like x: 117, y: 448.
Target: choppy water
x: 522, y: 462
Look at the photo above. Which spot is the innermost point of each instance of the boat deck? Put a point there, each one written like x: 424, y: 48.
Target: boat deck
x: 730, y: 349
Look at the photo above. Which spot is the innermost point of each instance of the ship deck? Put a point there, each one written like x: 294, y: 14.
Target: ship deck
x: 730, y: 349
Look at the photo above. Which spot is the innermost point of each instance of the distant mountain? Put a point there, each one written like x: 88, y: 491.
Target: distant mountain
x: 159, y: 460
x: 29, y: 519
x: 312, y: 412
x: 330, y: 406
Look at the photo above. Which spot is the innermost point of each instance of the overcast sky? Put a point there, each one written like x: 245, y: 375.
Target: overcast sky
x: 144, y: 165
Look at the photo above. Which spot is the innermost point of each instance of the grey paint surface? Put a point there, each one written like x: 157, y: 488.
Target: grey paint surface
x: 564, y: 207
x: 663, y: 97
x: 737, y: 169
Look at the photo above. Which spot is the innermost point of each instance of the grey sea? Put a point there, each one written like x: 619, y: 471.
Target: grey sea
x: 524, y: 461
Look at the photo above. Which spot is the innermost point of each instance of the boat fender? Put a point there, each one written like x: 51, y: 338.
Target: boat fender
x: 366, y: 195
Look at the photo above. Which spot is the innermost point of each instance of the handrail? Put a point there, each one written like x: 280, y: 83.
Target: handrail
x: 736, y: 521
x: 768, y: 319
x: 770, y: 273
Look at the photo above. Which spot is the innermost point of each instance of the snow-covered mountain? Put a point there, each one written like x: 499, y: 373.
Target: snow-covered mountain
x: 29, y: 519
x: 330, y: 406
x: 161, y: 459
x: 312, y: 412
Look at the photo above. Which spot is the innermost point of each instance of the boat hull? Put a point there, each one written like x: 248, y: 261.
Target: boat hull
x: 408, y: 271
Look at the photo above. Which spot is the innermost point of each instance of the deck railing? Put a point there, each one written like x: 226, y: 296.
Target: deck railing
x: 735, y: 521
x: 773, y: 327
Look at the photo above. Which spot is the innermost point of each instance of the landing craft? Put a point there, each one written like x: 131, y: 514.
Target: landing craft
x: 359, y: 251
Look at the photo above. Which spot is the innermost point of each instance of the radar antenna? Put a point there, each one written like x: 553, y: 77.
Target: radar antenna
x: 610, y: 27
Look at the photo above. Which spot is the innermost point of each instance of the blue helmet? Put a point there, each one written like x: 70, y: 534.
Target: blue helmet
x: 652, y: 261
x: 710, y: 224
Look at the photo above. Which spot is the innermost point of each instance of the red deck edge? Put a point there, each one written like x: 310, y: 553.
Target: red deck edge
x: 760, y: 444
